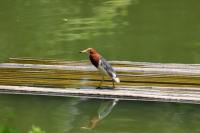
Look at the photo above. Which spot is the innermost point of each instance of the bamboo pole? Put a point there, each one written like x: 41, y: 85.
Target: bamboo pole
x: 139, y: 80
x: 142, y: 93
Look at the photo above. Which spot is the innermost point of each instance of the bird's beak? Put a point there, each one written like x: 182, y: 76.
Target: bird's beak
x: 84, y: 51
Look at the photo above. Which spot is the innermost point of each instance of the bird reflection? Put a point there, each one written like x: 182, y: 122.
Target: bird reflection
x: 103, y: 111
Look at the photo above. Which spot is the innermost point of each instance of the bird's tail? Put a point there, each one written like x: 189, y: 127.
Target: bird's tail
x: 116, y: 79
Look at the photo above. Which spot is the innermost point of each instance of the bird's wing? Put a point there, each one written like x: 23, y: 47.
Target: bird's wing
x: 107, y: 67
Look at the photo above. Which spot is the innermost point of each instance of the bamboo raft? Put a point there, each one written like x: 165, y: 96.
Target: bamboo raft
x: 139, y: 80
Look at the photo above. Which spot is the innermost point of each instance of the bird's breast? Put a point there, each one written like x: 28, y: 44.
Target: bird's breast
x: 94, y: 58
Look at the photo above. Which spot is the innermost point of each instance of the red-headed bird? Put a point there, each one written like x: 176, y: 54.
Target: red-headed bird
x: 102, y: 65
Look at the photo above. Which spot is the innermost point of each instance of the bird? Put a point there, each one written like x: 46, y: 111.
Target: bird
x: 102, y: 65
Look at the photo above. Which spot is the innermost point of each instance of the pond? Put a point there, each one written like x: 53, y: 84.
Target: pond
x: 126, y: 30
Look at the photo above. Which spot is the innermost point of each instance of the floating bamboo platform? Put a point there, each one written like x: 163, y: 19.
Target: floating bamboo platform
x: 139, y: 80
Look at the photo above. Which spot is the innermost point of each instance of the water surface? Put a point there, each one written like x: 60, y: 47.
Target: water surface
x: 134, y: 30
x: 74, y: 115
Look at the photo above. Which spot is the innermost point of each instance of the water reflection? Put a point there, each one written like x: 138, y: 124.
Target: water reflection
x: 103, y: 111
x: 75, y: 115
x: 156, y: 31
x: 103, y: 18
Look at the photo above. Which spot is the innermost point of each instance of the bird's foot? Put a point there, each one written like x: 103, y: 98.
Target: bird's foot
x: 98, y: 87
x: 113, y: 85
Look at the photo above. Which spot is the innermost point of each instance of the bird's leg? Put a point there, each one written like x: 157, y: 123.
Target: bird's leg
x: 101, y: 81
x: 113, y: 84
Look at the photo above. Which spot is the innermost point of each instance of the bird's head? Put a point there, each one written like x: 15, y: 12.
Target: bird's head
x: 89, y: 51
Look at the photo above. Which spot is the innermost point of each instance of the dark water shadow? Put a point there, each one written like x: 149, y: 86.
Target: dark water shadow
x: 99, y: 88
x: 105, y: 88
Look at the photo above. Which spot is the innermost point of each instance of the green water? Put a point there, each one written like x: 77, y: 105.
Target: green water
x: 71, y: 115
x: 134, y: 30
